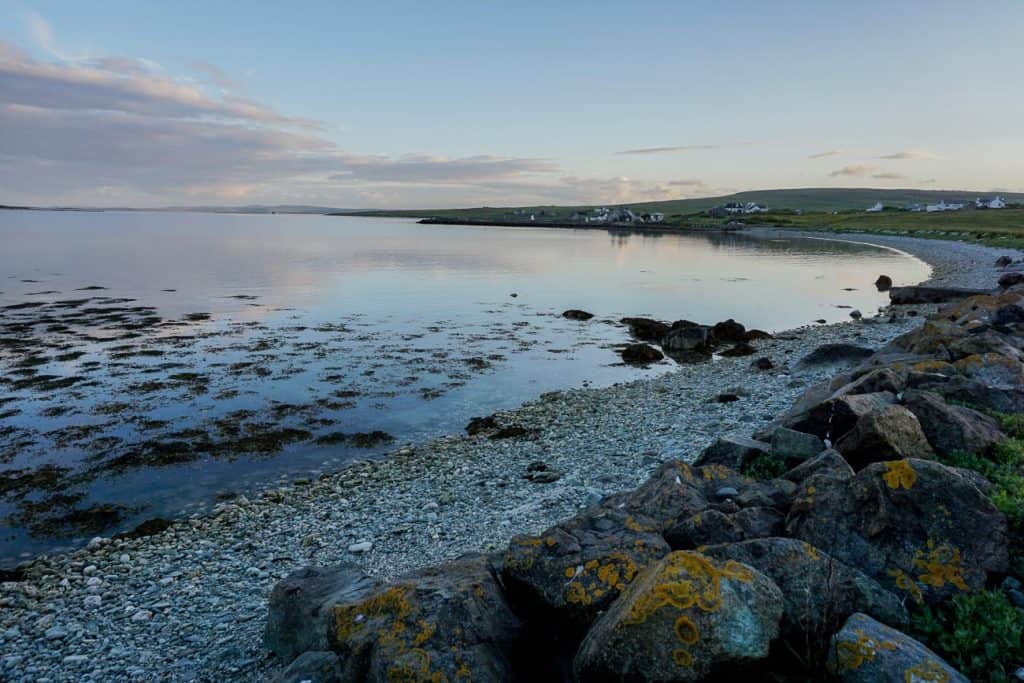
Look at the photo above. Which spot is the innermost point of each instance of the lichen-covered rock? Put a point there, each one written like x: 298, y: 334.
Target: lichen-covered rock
x: 919, y: 528
x: 794, y: 447
x: 886, y: 433
x: 449, y: 622
x: 684, y: 619
x: 951, y: 428
x: 675, y: 491
x: 827, y: 462
x: 977, y: 394
x: 315, y: 666
x: 732, y: 451
x: 835, y: 417
x: 992, y: 369
x: 299, y: 616
x: 819, y: 591
x: 577, y: 568
x: 866, y: 651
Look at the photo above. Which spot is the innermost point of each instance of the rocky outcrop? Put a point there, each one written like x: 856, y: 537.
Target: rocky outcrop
x: 690, y: 339
x: 729, y: 331
x: 732, y: 451
x: 930, y: 295
x: 836, y: 354
x: 865, y: 651
x: 921, y: 529
x: 646, y: 329
x: 688, y: 617
x: 887, y: 433
x: 952, y: 428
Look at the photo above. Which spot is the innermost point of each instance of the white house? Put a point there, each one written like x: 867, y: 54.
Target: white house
x: 876, y: 208
x: 652, y: 217
x: 944, y: 206
x: 749, y: 207
x: 996, y: 202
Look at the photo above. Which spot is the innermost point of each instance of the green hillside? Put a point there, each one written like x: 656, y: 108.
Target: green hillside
x: 806, y: 199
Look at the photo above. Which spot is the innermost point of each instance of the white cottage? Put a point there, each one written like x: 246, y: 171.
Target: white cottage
x: 876, y: 208
x: 996, y: 202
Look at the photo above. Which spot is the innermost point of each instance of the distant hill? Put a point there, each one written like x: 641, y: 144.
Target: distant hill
x: 807, y: 199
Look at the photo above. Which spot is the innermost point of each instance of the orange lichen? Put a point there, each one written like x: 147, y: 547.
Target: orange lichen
x: 906, y: 584
x: 929, y: 671
x: 811, y: 551
x: 899, y: 474
x: 853, y: 654
x: 940, y: 564
x: 687, y: 580
x: 596, y: 578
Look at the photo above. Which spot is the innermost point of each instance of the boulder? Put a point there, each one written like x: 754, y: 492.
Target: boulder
x: 689, y: 339
x: 888, y: 433
x: 930, y: 295
x: 1010, y: 279
x: 992, y: 369
x: 729, y: 331
x: 755, y: 335
x: 827, y: 462
x: 737, y: 350
x: 794, y: 446
x: 646, y: 329
x: 970, y: 392
x: 576, y: 314
x: 641, y: 354
x: 482, y: 424
x: 866, y: 651
x: 315, y: 666
x: 921, y: 529
x: 872, y: 381
x: 951, y: 428
x: 755, y: 510
x: 299, y: 617
x: 835, y: 417
x: 819, y: 592
x: 732, y: 451
x: 763, y: 363
x: 1004, y: 261
x: 1009, y: 314
x: 836, y: 354
x: 883, y: 283
x: 577, y: 568
x: 685, y: 619
x: 448, y: 622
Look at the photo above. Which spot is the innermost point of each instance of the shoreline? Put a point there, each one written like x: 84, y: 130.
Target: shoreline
x: 188, y: 604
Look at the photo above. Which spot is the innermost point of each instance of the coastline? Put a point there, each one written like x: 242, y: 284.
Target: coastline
x: 203, y: 583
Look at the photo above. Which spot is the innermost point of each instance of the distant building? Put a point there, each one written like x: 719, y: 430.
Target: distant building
x: 749, y: 207
x: 652, y: 217
x: 876, y: 208
x: 915, y: 208
x: 996, y: 202
x: 943, y: 205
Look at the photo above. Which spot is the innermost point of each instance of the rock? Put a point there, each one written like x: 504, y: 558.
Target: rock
x: 149, y: 527
x: 835, y: 417
x: 646, y: 329
x: 888, y: 433
x: 794, y: 446
x: 1003, y: 261
x: 727, y: 397
x: 1007, y: 280
x: 755, y: 335
x: 640, y: 354
x: 541, y: 473
x: 726, y: 492
x: 836, y: 354
x: 819, y: 592
x: 731, y: 451
x: 856, y: 314
x: 299, y: 616
x: 689, y: 339
x: 930, y: 295
x: 360, y: 547
x: 314, y: 666
x: 729, y: 331
x: 685, y: 618
x: 866, y: 651
x: 970, y: 392
x: 142, y: 615
x: 447, y: 622
x: 827, y: 462
x: 55, y: 633
x: 950, y: 428
x: 738, y: 350
x: 481, y: 424
x: 763, y: 363
x: 1010, y: 314
x: 577, y: 568
x: 919, y: 528
x: 576, y: 314
x: 510, y: 432
x: 883, y: 283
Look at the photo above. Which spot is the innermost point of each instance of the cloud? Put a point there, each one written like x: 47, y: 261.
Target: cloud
x: 689, y: 182
x: 829, y: 153
x: 415, y: 168
x: 854, y: 170
x: 666, y: 150
x: 215, y: 75
x: 42, y: 33
x: 888, y: 175
x: 915, y: 154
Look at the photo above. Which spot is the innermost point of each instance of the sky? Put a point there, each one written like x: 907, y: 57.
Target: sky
x: 444, y: 104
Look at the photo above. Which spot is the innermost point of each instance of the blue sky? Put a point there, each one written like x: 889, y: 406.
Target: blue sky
x: 465, y: 103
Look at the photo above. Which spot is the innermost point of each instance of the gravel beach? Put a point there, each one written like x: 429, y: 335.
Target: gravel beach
x: 189, y: 603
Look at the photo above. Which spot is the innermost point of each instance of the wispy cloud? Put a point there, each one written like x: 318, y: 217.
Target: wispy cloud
x: 855, y: 170
x: 687, y: 182
x: 829, y: 153
x: 912, y: 154
x: 888, y: 175
x: 668, y: 150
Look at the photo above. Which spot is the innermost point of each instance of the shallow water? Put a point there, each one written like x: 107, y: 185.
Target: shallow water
x: 153, y: 361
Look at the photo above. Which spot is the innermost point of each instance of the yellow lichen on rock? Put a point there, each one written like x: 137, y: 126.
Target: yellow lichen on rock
x: 853, y: 654
x: 899, y: 474
x: 940, y: 564
x: 596, y: 578
x: 929, y: 671
x: 905, y: 583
